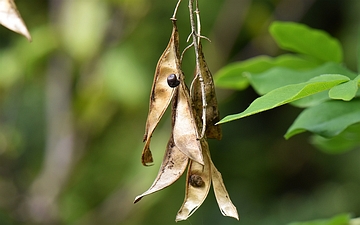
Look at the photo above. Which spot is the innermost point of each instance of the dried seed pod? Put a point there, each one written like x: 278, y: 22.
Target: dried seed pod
x: 185, y: 130
x: 161, y: 93
x: 173, y: 81
x: 227, y: 208
x: 11, y: 18
x: 212, y: 111
x: 195, y: 196
x: 172, y: 167
x: 174, y: 162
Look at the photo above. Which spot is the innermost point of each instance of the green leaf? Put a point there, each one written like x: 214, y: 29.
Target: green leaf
x: 315, y: 99
x: 358, y: 52
x: 345, y: 141
x: 342, y: 219
x: 345, y: 91
x: 288, y: 94
x: 279, y: 76
x: 303, y: 39
x: 327, y: 119
x: 232, y: 75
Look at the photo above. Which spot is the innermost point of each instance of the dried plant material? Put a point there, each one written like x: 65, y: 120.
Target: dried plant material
x: 227, y: 208
x: 185, y: 128
x: 172, y: 167
x: 195, y: 194
x: 212, y: 112
x: 161, y: 92
x: 173, y: 81
x: 11, y: 18
x: 196, y: 180
x: 189, y: 115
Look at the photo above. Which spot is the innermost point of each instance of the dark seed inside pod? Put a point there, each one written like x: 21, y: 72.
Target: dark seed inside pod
x: 172, y: 80
x: 196, y: 180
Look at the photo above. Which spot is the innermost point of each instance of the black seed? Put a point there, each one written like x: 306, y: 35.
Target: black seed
x: 172, y: 80
x: 196, y: 180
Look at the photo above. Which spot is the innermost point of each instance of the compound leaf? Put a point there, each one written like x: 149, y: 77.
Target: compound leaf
x: 280, y: 76
x: 289, y: 93
x: 232, y: 75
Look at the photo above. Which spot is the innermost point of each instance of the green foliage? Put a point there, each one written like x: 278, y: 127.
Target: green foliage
x: 302, y: 39
x: 279, y: 76
x: 280, y: 82
x: 342, y: 219
x: 341, y: 143
x: 345, y: 91
x: 289, y: 93
x: 73, y: 103
x: 228, y: 77
x: 327, y: 119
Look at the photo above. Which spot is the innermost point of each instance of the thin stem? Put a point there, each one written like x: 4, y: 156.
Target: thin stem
x: 196, y: 41
x: 192, y: 84
x: 187, y: 48
x: 175, y: 10
x: 197, y: 12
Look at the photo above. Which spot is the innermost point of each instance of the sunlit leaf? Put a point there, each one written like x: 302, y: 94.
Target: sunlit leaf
x: 232, y: 75
x: 280, y: 76
x: 311, y: 100
x: 327, y: 119
x: 172, y: 167
x: 161, y: 92
x: 303, y: 39
x: 212, y: 110
x: 347, y: 90
x: 289, y: 93
x: 198, y: 183
x: 342, y: 219
x: 11, y: 18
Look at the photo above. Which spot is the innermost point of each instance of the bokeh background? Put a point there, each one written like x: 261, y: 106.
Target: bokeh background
x: 73, y: 105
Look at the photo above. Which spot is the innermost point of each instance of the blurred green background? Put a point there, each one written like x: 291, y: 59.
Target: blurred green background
x: 73, y: 105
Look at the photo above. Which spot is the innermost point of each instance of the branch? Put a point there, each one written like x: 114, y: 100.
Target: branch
x: 195, y: 33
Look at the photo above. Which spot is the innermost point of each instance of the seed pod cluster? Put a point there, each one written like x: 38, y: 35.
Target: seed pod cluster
x: 183, y: 144
x: 186, y: 148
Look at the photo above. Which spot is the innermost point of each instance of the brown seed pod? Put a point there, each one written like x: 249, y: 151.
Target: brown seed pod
x: 161, y: 93
x: 195, y: 196
x: 226, y: 206
x: 185, y: 130
x: 212, y: 111
x: 172, y: 167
